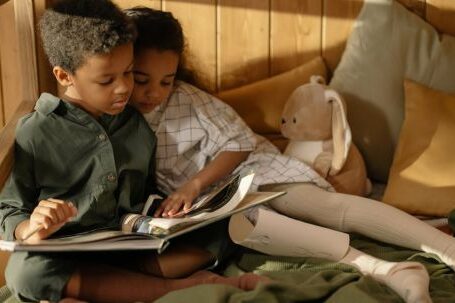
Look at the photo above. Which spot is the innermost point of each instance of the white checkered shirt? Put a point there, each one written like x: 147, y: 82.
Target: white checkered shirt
x: 193, y: 127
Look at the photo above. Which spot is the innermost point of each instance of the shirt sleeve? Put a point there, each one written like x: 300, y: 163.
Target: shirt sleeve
x: 226, y: 130
x: 18, y: 198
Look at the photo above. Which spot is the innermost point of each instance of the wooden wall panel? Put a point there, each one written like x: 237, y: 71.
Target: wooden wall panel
x: 295, y: 35
x: 441, y: 13
x: 28, y: 70
x: 132, y: 3
x: 337, y: 20
x: 243, y: 42
x: 198, y: 19
x: 46, y: 81
x: 2, y: 114
x: 10, y: 76
x: 416, y: 6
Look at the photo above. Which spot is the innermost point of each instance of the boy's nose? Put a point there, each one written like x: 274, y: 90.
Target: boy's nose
x: 124, y: 87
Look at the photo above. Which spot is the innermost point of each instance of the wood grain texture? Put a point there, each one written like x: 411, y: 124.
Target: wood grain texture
x: 46, y: 80
x: 7, y: 140
x: 416, y: 6
x: 198, y: 19
x: 441, y: 13
x: 9, y: 61
x: 2, y: 114
x: 242, y: 42
x: 337, y: 20
x: 295, y: 35
x: 25, y: 28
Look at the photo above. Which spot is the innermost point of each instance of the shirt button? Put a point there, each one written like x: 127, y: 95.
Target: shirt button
x: 111, y: 178
x: 102, y: 137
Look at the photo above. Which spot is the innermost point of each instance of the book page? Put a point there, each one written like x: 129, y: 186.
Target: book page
x: 90, y: 241
x: 165, y: 225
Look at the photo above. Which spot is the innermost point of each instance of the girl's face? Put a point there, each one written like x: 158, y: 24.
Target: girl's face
x: 154, y: 74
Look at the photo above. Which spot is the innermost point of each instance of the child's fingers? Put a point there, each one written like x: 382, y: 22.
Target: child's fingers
x: 68, y: 209
x: 175, y: 208
x: 38, y: 218
x: 66, y: 206
x: 53, y: 209
x: 159, y: 211
x: 187, y: 205
x: 57, y: 210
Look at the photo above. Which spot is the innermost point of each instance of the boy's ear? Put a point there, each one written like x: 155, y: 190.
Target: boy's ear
x: 63, y: 77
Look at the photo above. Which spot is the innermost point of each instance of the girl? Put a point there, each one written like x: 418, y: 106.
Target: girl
x: 202, y: 140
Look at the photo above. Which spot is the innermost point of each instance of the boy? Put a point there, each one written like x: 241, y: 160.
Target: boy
x: 88, y: 158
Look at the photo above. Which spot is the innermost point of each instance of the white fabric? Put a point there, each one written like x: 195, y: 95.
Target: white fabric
x: 364, y: 216
x: 193, y: 127
x: 275, y: 234
x: 409, y: 279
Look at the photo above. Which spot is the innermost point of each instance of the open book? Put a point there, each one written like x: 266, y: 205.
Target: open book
x: 139, y: 231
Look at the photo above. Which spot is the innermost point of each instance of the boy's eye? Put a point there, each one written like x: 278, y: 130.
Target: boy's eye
x: 106, y: 82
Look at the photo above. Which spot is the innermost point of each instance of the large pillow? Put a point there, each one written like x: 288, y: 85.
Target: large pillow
x: 422, y: 177
x: 261, y: 103
x: 387, y: 45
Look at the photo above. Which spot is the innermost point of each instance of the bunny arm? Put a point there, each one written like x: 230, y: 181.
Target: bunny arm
x: 323, y: 162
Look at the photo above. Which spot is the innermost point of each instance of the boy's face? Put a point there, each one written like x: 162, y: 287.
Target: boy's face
x: 103, y: 84
x: 154, y: 74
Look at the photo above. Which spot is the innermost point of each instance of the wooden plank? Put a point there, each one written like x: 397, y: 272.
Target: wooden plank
x: 2, y: 114
x: 198, y: 19
x: 416, y: 6
x: 441, y: 13
x: 10, y: 76
x: 7, y: 140
x: 243, y: 42
x: 295, y: 35
x: 46, y: 80
x: 156, y: 4
x: 25, y: 27
x: 338, y: 18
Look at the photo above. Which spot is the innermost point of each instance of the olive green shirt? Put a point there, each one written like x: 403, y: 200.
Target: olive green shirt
x: 105, y: 166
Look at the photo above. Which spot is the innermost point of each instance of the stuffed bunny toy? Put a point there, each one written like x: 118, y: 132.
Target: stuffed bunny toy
x: 314, y: 121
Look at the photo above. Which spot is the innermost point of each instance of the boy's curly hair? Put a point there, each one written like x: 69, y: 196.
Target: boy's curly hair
x: 73, y: 29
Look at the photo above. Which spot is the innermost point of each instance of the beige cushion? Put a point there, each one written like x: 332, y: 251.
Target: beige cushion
x: 388, y: 44
x: 261, y: 103
x: 422, y: 177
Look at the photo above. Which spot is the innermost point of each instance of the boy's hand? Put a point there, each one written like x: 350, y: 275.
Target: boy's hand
x: 183, y: 197
x: 51, y: 214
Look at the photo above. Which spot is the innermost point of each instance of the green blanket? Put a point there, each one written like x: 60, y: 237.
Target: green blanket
x: 312, y: 279
x: 316, y: 280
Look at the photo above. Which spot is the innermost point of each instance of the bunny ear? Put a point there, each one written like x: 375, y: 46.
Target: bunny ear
x: 316, y: 79
x: 341, y: 133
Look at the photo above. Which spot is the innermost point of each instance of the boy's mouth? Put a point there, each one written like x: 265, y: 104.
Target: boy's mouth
x: 120, y: 103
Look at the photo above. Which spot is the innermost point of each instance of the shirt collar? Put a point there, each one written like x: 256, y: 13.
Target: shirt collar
x: 47, y: 103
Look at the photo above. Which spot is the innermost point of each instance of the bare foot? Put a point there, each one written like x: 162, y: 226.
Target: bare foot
x: 246, y: 281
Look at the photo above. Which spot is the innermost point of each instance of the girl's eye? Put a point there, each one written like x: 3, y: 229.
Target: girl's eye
x: 166, y: 83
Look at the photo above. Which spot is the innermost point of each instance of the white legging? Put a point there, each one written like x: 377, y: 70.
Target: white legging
x: 364, y: 216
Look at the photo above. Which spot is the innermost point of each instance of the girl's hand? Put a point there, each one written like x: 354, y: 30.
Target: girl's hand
x: 51, y: 215
x: 183, y: 197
